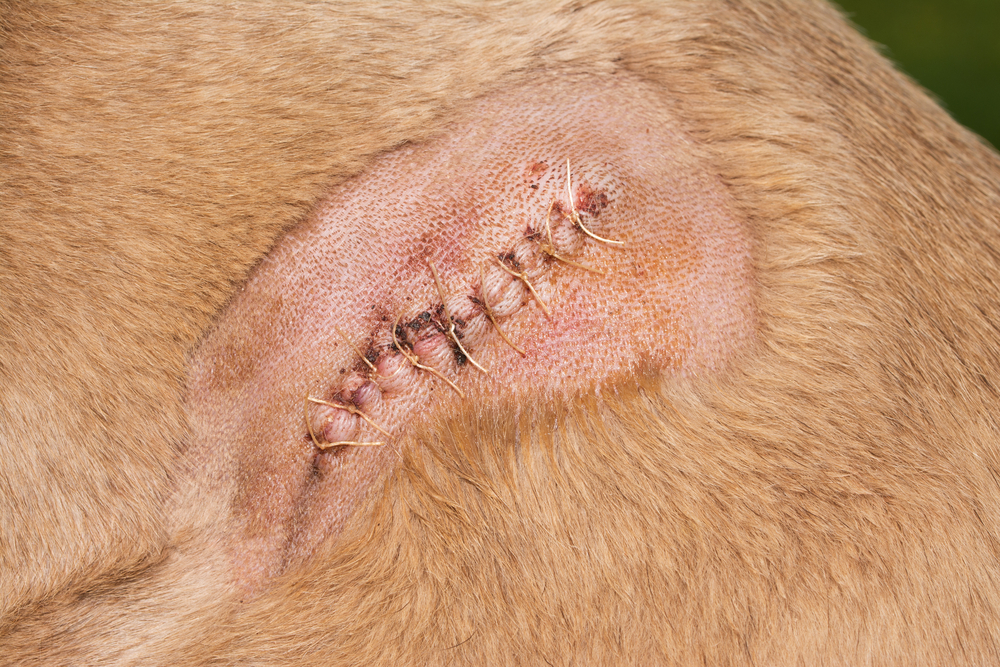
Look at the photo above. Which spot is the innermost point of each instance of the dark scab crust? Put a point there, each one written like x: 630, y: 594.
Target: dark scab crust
x: 591, y: 201
x: 418, y: 322
x: 536, y: 170
x: 510, y: 259
x: 460, y: 357
x: 400, y: 332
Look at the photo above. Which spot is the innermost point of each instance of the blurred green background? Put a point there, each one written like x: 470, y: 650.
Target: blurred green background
x: 952, y: 47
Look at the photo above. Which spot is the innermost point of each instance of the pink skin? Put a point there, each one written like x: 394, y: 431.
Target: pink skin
x: 674, y: 294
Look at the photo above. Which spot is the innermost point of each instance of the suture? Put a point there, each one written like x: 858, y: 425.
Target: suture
x: 523, y: 277
x: 340, y: 443
x: 451, y: 320
x: 415, y: 360
x: 358, y: 352
x: 485, y: 305
x: 549, y: 248
x: 575, y: 217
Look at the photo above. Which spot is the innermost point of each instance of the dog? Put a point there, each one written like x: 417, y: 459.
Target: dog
x: 524, y: 332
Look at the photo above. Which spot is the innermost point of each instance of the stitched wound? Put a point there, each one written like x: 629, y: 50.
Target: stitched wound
x: 563, y: 236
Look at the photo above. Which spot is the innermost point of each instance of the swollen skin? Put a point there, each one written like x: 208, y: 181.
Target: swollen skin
x: 563, y: 238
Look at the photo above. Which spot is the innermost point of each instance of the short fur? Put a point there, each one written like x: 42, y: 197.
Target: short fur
x: 832, y: 498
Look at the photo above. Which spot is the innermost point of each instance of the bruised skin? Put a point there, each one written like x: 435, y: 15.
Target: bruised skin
x: 563, y: 238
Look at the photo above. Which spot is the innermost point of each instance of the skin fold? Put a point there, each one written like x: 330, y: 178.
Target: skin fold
x: 760, y: 431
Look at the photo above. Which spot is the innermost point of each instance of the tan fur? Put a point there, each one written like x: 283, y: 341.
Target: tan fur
x: 831, y: 499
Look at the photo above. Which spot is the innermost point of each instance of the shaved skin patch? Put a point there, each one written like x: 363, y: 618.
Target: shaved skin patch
x: 565, y: 235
